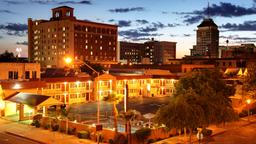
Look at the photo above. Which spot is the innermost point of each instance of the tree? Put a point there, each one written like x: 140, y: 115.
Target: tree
x: 142, y: 134
x: 201, y: 99
x: 114, y: 99
x: 128, y: 117
x: 7, y: 57
x: 249, y: 83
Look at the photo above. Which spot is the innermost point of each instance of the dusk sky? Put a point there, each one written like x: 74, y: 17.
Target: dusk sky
x: 138, y: 20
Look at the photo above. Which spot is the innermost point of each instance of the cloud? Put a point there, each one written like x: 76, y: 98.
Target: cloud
x: 125, y: 10
x: 124, y: 23
x: 135, y: 35
x: 239, y: 39
x: 7, y: 11
x: 88, y: 2
x: 111, y: 20
x: 193, y: 19
x: 13, y: 2
x: 1, y: 37
x: 14, y: 29
x: 142, y: 21
x: 186, y: 35
x: 164, y: 12
x: 223, y: 10
x: 246, y: 26
x: 22, y: 43
x: 42, y: 1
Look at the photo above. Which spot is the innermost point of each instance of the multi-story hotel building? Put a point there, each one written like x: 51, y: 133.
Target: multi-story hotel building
x: 50, y: 41
x: 150, y: 52
x: 207, y: 40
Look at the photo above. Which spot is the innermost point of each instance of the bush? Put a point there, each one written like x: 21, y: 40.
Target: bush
x: 83, y: 135
x: 47, y: 126
x: 151, y: 141
x: 55, y: 127
x: 110, y: 141
x: 142, y: 134
x: 71, y: 131
x: 36, y: 123
x: 206, y: 132
x: 120, y: 139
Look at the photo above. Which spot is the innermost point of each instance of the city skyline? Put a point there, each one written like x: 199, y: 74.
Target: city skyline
x: 138, y: 21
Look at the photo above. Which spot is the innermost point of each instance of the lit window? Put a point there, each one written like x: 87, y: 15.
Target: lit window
x: 100, y: 47
x: 68, y: 13
x: 63, y: 28
x: 91, y: 53
x: 57, y: 14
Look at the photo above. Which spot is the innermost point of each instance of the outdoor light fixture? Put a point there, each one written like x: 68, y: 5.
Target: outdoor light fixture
x: 68, y: 60
x: 17, y: 86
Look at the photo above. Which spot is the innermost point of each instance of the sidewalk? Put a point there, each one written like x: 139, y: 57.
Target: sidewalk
x: 217, y: 130
x: 40, y: 135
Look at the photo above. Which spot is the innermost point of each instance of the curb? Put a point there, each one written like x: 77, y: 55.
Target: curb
x: 22, y: 136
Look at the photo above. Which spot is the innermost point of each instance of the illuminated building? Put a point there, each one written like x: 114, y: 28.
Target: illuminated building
x: 49, y: 41
x: 207, y: 40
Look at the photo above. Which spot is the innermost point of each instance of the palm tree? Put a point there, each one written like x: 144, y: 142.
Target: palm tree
x: 128, y: 117
x: 114, y: 99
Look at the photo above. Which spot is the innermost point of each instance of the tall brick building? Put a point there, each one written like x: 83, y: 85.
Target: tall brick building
x: 207, y: 40
x: 50, y: 41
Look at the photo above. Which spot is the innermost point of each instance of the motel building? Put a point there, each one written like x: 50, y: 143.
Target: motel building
x: 24, y: 97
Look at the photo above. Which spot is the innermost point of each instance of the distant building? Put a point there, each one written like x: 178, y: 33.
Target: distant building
x: 207, y: 40
x: 49, y: 41
x: 19, y: 71
x: 238, y: 51
x: 131, y: 52
x: 150, y: 52
x: 159, y: 52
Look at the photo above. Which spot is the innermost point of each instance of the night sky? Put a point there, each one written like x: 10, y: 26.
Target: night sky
x: 138, y: 20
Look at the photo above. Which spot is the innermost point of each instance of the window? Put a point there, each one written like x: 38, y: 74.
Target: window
x: 57, y: 14
x: 27, y: 75
x: 68, y: 13
x: 15, y: 76
x: 33, y: 74
x: 10, y: 75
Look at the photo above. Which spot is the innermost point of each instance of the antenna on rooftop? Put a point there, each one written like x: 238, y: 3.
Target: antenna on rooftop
x: 208, y: 10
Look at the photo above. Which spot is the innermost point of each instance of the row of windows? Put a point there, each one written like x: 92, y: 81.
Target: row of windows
x: 15, y: 75
x: 94, y: 29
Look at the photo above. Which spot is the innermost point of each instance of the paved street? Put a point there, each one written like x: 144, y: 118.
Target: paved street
x: 12, y: 139
x: 240, y: 132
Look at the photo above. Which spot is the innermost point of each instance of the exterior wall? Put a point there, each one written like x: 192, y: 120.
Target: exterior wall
x: 132, y: 52
x: 50, y: 41
x: 8, y: 70
x: 188, y: 68
x: 70, y: 92
x: 151, y: 52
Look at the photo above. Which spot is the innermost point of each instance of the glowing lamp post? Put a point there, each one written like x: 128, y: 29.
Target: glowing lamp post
x: 248, y: 101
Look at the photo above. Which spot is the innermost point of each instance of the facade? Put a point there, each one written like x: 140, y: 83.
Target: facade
x: 207, y: 40
x: 150, y: 52
x: 50, y: 41
x: 160, y: 51
x: 19, y: 71
x: 132, y: 52
x: 238, y: 51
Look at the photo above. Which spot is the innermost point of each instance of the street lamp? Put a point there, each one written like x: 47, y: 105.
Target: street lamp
x: 248, y: 101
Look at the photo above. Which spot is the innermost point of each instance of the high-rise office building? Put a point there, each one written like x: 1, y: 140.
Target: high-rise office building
x: 131, y: 52
x: 150, y: 52
x: 207, y: 40
x: 50, y: 41
x: 159, y: 52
